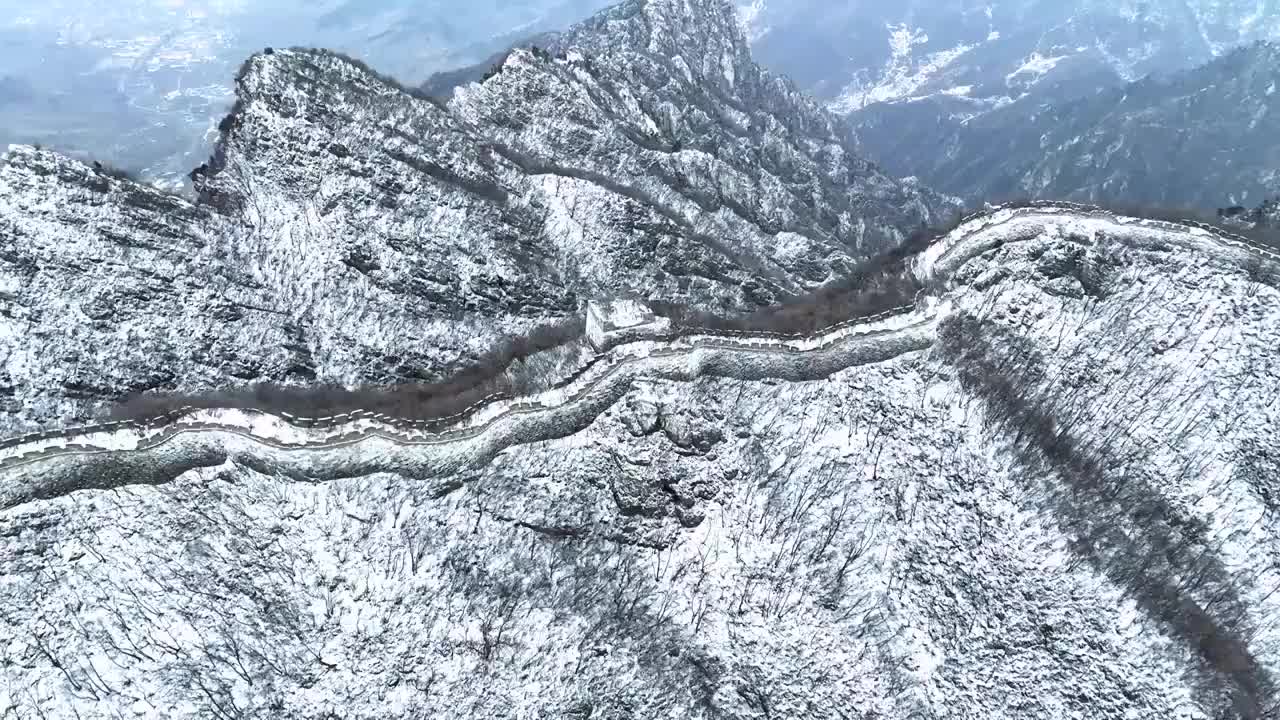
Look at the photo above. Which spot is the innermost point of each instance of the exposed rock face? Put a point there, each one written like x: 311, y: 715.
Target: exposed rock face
x: 349, y: 231
x: 1197, y: 138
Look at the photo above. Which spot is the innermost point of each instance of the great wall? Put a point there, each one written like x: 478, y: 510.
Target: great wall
x: 155, y: 449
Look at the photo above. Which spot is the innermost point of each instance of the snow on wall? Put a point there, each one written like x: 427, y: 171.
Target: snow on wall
x: 212, y: 437
x: 361, y: 441
x: 982, y: 231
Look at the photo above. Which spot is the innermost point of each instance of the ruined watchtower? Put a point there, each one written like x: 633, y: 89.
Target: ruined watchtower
x: 609, y: 321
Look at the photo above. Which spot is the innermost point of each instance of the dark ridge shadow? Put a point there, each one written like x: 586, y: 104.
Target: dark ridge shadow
x: 463, y: 389
x: 1120, y: 523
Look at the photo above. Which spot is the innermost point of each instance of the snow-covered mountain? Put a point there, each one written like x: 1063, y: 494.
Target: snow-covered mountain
x: 1047, y: 486
x: 1056, y: 497
x: 348, y: 231
x: 997, y: 100
x: 1200, y: 138
x: 993, y: 100
x: 142, y: 83
x: 985, y: 53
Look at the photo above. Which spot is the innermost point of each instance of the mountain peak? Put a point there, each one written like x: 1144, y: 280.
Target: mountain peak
x: 354, y: 231
x: 667, y: 28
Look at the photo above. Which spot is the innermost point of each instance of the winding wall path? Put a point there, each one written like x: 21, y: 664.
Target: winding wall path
x: 49, y: 464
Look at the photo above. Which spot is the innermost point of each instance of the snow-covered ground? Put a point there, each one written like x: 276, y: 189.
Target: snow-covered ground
x: 718, y: 537
x: 903, y: 76
x: 941, y: 260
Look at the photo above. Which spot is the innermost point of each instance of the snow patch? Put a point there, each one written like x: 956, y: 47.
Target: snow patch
x: 726, y: 67
x: 1034, y: 67
x: 751, y: 20
x: 902, y: 76
x: 1258, y: 114
x: 789, y: 246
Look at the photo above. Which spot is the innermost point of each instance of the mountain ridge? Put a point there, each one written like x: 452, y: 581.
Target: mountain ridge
x: 341, y: 215
x: 1113, y: 144
x: 1043, y: 485
x: 973, y: 224
x: 1070, y: 582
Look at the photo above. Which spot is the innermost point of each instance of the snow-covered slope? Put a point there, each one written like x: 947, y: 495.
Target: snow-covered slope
x: 1062, y: 503
x: 660, y: 100
x: 348, y: 231
x: 988, y: 53
x: 1200, y: 138
x: 1046, y: 489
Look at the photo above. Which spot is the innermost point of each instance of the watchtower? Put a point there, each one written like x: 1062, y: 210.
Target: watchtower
x: 610, y: 320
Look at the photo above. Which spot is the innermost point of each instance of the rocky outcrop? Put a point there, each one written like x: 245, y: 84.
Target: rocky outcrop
x: 1263, y: 217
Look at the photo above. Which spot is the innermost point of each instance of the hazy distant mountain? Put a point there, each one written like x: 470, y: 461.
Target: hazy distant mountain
x: 852, y: 54
x: 142, y: 83
x: 1043, y: 98
x: 1198, y: 138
